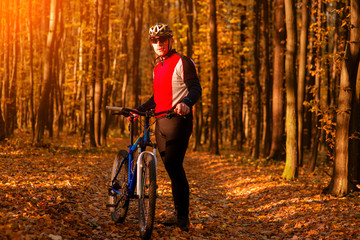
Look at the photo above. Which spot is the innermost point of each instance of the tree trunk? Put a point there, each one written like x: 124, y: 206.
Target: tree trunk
x: 2, y: 123
x: 107, y: 83
x: 7, y: 70
x: 276, y: 149
x: 354, y: 144
x: 14, y: 75
x: 214, y: 135
x: 124, y: 60
x: 198, y: 109
x: 267, y: 81
x: 59, y: 93
x: 31, y: 73
x: 84, y: 68
x: 291, y: 165
x: 306, y: 5
x: 83, y: 108
x: 5, y: 77
x: 341, y: 182
x: 198, y: 112
x: 241, y: 84
x: 93, y: 141
x: 2, y: 126
x: 99, y: 73
x: 257, y: 91
x: 137, y: 20
x: 42, y: 114
x: 317, y: 131
x: 190, y: 21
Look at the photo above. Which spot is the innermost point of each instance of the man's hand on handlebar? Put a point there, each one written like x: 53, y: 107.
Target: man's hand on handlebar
x: 132, y: 118
x: 182, y: 109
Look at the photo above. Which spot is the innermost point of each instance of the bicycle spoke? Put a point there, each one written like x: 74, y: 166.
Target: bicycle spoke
x: 148, y: 196
x: 118, y: 200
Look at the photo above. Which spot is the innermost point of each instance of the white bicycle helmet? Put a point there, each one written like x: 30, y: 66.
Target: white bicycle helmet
x: 160, y: 29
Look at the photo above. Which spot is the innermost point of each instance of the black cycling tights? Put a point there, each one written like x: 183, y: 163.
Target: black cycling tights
x: 172, y: 137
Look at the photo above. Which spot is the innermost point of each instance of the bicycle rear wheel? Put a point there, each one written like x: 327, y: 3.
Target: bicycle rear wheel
x: 147, y: 197
x: 118, y: 199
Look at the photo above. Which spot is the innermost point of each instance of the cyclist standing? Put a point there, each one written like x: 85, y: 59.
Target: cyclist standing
x: 175, y: 85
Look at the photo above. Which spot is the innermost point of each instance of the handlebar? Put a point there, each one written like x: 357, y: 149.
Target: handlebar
x: 126, y: 112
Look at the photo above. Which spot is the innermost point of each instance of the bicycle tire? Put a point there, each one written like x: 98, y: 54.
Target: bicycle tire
x: 147, y: 201
x: 119, y: 203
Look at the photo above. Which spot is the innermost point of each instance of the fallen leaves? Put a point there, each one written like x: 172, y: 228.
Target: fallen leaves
x: 60, y: 192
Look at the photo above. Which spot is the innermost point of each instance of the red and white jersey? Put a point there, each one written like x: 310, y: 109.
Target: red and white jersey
x: 170, y: 81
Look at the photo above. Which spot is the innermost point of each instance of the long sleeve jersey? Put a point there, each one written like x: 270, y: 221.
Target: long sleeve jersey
x: 175, y: 80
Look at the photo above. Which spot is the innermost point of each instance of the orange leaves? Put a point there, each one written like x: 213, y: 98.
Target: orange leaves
x: 60, y: 192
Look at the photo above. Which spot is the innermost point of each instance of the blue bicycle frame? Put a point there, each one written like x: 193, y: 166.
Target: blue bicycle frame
x: 139, y: 145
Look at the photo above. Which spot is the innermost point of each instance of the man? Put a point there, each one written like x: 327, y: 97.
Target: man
x: 177, y: 85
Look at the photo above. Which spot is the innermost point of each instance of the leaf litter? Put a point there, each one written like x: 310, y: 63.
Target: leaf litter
x: 60, y: 192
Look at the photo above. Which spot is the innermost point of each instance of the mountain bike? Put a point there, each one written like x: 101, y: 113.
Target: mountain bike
x: 133, y: 174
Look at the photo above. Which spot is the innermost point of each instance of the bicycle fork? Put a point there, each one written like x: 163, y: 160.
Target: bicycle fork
x: 140, y: 165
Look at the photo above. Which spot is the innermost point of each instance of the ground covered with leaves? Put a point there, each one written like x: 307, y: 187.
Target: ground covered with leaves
x: 60, y: 192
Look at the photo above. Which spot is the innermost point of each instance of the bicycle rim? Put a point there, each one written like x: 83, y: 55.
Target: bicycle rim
x: 118, y: 198
x: 147, y: 200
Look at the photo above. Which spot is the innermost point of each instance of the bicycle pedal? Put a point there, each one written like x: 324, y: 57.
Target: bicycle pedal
x: 111, y: 192
x: 117, y: 186
x: 110, y: 205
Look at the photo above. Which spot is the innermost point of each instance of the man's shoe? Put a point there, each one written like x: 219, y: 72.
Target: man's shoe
x: 183, y: 223
x: 170, y: 221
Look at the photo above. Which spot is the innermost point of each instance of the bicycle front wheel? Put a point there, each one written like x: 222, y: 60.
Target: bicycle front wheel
x: 147, y: 196
x: 118, y: 193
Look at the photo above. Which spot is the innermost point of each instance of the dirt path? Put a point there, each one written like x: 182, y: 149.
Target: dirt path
x: 59, y: 192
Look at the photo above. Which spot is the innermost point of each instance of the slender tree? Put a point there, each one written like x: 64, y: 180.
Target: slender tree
x: 46, y: 89
x: 317, y: 105
x: 99, y: 71
x: 84, y: 67
x: 276, y: 149
x: 58, y: 91
x: 93, y: 137
x: 354, y: 144
x: 6, y: 78
x: 189, y: 7
x: 107, y: 82
x: 291, y: 165
x: 214, y: 137
x: 198, y: 108
x: 136, y: 22
x: 31, y: 70
x: 306, y: 4
x: 257, y: 91
x: 241, y: 83
x: 124, y: 33
x: 266, y: 79
x: 2, y: 123
x: 11, y: 103
x: 341, y: 181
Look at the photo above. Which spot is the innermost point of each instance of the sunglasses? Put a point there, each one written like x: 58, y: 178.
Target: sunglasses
x: 160, y: 39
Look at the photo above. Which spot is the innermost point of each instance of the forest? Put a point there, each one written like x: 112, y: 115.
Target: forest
x: 280, y: 78
x: 280, y: 100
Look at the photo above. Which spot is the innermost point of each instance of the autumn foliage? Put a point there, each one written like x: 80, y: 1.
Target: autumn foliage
x: 60, y: 192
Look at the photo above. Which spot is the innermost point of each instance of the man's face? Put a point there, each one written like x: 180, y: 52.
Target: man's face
x: 161, y: 44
